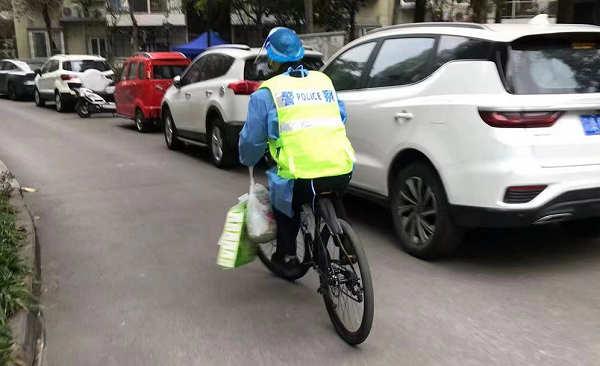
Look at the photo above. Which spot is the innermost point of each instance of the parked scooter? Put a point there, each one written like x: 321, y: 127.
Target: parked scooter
x: 94, y: 83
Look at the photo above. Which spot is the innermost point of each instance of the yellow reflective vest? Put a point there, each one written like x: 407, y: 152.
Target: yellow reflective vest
x: 312, y: 137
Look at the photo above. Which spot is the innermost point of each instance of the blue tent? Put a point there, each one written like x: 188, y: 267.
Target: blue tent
x: 199, y: 45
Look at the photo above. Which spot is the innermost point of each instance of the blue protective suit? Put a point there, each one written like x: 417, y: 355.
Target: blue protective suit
x: 262, y: 124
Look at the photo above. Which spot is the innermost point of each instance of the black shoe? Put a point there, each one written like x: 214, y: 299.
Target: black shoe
x: 288, y: 267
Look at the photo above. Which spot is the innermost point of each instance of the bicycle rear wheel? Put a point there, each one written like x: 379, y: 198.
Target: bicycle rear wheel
x: 265, y: 251
x: 349, y: 288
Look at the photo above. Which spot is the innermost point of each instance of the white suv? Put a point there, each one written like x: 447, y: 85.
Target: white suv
x: 208, y: 104
x: 60, y: 77
x: 466, y: 125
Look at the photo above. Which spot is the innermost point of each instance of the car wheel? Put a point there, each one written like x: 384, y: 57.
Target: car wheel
x: 173, y: 142
x: 420, y: 213
x: 221, y: 152
x: 83, y: 110
x: 38, y: 98
x: 140, y: 121
x: 12, y: 92
x: 587, y: 228
x: 61, y: 106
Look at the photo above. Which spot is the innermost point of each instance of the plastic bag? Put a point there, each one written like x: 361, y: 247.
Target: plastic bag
x: 235, y: 249
x: 260, y: 220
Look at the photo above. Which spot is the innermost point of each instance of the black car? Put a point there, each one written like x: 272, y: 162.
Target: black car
x: 16, y: 77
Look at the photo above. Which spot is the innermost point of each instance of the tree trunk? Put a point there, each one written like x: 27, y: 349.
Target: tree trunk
x: 135, y: 31
x: 479, y: 8
x: 259, y: 24
x: 565, y: 11
x: 498, y: 15
x: 208, y: 21
x: 420, y: 8
x: 352, y: 35
x: 48, y: 23
x: 308, y: 16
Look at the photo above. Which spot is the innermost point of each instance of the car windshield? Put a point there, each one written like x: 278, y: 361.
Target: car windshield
x: 556, y: 64
x: 167, y: 71
x: 35, y: 64
x: 83, y: 65
x: 261, y: 71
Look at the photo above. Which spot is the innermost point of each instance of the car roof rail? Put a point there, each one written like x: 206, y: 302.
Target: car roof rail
x: 230, y: 46
x: 430, y: 24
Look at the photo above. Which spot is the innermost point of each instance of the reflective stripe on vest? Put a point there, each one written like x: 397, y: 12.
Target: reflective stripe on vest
x: 312, y: 137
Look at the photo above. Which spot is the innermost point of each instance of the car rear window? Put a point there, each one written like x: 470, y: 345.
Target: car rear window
x: 83, y: 65
x: 260, y: 70
x: 554, y: 64
x: 167, y: 71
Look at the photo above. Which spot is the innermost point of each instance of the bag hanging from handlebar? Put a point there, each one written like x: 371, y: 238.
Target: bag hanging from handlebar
x: 260, y: 220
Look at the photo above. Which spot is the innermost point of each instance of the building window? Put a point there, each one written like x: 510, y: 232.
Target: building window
x: 39, y: 45
x: 514, y: 9
x: 121, y: 45
x: 148, y: 6
x: 98, y: 46
x: 139, y: 6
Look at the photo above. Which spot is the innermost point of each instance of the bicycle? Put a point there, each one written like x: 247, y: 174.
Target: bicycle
x: 331, y: 247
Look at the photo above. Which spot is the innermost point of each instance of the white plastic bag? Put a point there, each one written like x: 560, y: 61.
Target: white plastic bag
x: 260, y: 221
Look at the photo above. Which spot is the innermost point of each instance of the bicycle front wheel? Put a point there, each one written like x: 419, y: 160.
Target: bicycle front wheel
x: 349, y: 288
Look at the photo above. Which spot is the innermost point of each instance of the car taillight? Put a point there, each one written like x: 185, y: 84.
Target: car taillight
x: 520, y: 119
x: 244, y: 87
x: 67, y: 77
x: 522, y: 194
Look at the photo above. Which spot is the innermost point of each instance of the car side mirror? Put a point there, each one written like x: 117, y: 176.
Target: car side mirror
x: 38, y: 71
x: 177, y: 81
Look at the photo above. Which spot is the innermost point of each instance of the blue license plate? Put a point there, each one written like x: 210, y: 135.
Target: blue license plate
x: 591, y: 124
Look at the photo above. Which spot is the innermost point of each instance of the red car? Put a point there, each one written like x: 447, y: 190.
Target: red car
x: 144, y: 80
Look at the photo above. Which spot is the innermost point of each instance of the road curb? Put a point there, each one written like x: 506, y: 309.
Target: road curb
x: 27, y: 327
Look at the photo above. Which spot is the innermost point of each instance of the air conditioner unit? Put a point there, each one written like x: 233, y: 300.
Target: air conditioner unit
x: 71, y: 12
x: 407, y: 4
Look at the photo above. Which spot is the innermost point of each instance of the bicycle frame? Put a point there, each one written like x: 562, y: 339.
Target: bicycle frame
x: 319, y: 256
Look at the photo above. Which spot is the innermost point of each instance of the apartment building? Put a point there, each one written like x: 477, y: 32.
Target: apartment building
x: 76, y: 30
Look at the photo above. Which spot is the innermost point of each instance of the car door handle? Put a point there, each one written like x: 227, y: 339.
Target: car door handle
x: 188, y: 95
x: 402, y: 116
x: 209, y: 93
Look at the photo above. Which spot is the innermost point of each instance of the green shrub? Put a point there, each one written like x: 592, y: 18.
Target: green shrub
x: 14, y: 292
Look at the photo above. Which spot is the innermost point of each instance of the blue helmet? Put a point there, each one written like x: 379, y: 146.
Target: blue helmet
x: 283, y: 45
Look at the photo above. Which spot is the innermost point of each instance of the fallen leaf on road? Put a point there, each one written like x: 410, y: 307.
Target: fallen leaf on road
x: 36, y: 217
x: 27, y: 189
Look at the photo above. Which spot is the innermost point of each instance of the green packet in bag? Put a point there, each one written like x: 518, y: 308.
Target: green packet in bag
x: 235, y: 249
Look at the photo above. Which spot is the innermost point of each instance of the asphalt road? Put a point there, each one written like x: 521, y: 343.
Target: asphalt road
x: 128, y: 233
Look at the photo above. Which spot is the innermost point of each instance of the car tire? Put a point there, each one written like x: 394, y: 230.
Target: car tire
x: 421, y: 216
x: 83, y: 110
x: 61, y: 106
x: 171, y: 139
x: 587, y: 228
x: 12, y: 91
x: 37, y: 97
x: 141, y: 124
x: 222, y: 154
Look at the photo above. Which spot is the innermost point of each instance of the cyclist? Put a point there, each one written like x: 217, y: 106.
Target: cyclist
x: 298, y: 115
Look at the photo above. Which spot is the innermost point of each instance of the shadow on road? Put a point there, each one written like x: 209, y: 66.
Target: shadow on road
x: 493, y: 249
x: 129, y: 125
x: 20, y: 100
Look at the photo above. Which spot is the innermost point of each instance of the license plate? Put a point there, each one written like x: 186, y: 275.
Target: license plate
x: 591, y: 124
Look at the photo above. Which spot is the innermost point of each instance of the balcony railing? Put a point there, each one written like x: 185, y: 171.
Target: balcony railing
x: 516, y: 9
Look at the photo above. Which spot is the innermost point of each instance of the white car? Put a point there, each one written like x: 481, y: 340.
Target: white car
x: 465, y: 125
x: 208, y: 104
x: 60, y: 77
